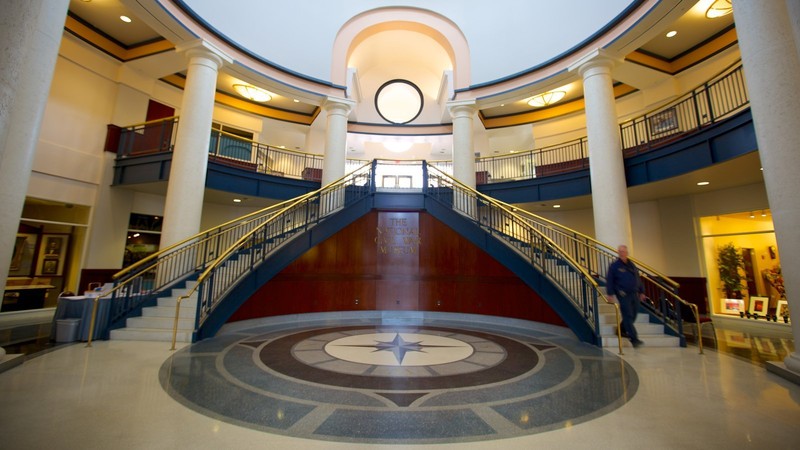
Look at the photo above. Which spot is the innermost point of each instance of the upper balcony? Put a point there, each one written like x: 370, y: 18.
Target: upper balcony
x: 702, y: 129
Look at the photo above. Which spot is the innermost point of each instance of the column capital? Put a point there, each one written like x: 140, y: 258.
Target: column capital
x: 338, y: 105
x: 204, y: 49
x: 462, y: 108
x: 598, y: 58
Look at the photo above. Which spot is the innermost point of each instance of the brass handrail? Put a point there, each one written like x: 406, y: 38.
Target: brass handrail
x: 696, y: 313
x: 199, y: 235
x: 586, y: 275
x: 674, y: 284
x: 230, y: 250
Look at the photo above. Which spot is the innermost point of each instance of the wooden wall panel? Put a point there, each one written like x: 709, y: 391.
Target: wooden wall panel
x: 440, y: 272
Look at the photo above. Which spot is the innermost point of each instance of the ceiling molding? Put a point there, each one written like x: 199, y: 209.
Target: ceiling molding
x: 111, y: 46
x: 551, y: 112
x: 251, y: 107
x: 686, y: 60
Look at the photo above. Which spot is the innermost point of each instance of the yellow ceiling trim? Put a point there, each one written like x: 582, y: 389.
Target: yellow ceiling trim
x: 705, y: 51
x: 253, y: 108
x: 547, y: 113
x: 112, y: 48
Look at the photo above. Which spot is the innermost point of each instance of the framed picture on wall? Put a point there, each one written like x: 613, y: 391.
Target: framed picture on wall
x: 759, y: 305
x: 52, y: 254
x: 22, y: 257
x: 733, y: 305
x: 663, y: 122
x: 782, y: 309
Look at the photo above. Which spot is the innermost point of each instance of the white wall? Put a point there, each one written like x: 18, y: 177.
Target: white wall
x: 521, y: 28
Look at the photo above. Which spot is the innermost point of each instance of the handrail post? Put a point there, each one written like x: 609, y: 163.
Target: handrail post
x: 175, y: 323
x: 92, y: 321
x: 699, y: 329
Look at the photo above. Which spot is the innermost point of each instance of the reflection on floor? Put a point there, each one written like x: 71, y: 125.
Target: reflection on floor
x: 113, y: 394
x: 748, y: 340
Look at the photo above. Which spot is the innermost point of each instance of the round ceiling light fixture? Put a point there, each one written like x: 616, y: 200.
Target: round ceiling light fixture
x: 253, y: 93
x: 546, y: 98
x: 399, y: 101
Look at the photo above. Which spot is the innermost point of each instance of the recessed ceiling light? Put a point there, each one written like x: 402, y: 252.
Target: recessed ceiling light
x: 125, y: 19
x: 237, y: 200
x: 703, y: 183
x: 556, y: 206
x: 672, y: 33
x: 296, y: 100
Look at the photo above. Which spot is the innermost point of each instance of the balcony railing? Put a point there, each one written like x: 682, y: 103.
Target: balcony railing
x: 719, y: 98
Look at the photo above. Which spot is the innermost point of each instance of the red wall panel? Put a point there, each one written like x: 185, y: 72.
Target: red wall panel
x: 390, y: 260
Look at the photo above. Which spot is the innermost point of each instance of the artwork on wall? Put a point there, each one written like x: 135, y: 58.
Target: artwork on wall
x: 663, y: 122
x: 782, y: 310
x: 759, y: 305
x: 52, y: 254
x: 733, y: 305
x: 22, y: 258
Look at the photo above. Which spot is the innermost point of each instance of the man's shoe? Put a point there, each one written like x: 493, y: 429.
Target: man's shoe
x: 637, y: 343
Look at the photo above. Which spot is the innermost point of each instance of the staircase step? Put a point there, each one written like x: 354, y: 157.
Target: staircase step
x: 187, y: 312
x: 170, y: 302
x: 161, y: 323
x: 610, y: 329
x: 149, y: 334
x: 649, y: 341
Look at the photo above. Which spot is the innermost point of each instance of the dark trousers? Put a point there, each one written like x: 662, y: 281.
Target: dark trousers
x: 629, y: 308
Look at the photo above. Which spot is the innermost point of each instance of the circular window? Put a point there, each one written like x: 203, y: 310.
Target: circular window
x: 398, y: 101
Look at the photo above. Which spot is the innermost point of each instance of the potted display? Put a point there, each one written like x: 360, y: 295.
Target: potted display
x: 730, y: 263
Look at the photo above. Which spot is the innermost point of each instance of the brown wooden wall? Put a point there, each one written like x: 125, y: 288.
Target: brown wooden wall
x: 390, y: 260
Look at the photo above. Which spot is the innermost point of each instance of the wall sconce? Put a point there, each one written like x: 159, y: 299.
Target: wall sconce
x: 547, y: 98
x: 719, y: 8
x: 252, y: 93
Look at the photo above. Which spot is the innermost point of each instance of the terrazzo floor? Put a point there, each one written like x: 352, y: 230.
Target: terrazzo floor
x: 340, y: 383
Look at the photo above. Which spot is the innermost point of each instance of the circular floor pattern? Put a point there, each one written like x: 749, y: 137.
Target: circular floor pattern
x: 374, y: 383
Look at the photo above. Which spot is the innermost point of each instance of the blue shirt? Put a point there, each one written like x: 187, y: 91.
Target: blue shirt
x: 623, y: 277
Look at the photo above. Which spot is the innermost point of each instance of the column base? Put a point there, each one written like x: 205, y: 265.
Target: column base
x: 780, y: 369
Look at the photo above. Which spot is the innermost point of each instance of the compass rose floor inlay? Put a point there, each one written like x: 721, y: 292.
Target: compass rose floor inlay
x: 372, y: 382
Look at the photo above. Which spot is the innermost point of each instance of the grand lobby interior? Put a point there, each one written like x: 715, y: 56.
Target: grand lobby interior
x: 387, y: 224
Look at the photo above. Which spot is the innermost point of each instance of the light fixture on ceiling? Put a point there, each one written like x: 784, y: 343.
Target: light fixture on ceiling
x: 719, y: 8
x: 703, y: 183
x: 397, y: 146
x: 556, y: 206
x: 546, y: 98
x: 763, y: 214
x: 252, y: 93
x: 237, y: 200
x: 125, y: 19
x: 671, y: 33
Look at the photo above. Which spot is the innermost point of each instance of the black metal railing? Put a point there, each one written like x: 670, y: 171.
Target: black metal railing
x: 252, y: 248
x: 546, y: 255
x: 146, y: 138
x: 715, y: 100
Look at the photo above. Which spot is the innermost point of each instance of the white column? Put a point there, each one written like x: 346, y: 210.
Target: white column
x: 187, y: 177
x: 612, y: 218
x: 463, y: 113
x: 30, y: 32
x: 771, y: 64
x: 333, y: 165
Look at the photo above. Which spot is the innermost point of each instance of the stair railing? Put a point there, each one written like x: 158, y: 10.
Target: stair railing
x: 595, y: 256
x: 558, y: 265
x: 142, y: 281
x: 246, y: 253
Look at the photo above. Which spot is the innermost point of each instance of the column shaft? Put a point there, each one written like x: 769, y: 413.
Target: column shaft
x: 334, y: 163
x: 612, y: 219
x: 463, y: 146
x: 184, y: 203
x: 31, y: 34
x: 771, y: 64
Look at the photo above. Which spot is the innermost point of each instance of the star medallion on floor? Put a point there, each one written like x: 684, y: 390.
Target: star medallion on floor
x: 377, y: 383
